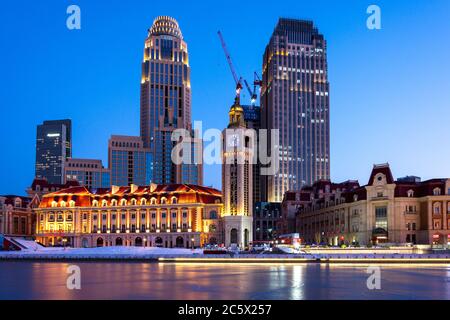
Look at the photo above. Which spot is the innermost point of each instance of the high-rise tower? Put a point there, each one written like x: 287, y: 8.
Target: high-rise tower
x: 166, y: 100
x: 53, y: 147
x: 237, y: 179
x: 295, y: 100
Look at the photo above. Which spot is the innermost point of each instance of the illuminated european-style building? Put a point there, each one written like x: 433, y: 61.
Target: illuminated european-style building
x: 16, y: 215
x: 406, y: 210
x: 174, y: 215
x: 166, y: 101
x: 295, y: 100
x: 237, y: 179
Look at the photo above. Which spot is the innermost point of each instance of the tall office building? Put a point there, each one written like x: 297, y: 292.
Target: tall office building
x: 237, y: 180
x: 53, y: 147
x: 87, y: 172
x: 166, y: 100
x: 252, y: 119
x: 129, y: 162
x: 295, y: 100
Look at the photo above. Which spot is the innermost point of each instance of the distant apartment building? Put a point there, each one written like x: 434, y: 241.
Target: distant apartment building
x: 295, y: 100
x: 129, y: 162
x: 385, y: 210
x: 265, y: 218
x: 16, y: 215
x: 88, y: 172
x: 166, y: 101
x: 53, y: 147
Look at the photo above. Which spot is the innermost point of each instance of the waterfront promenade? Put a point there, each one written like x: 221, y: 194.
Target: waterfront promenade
x: 153, y: 254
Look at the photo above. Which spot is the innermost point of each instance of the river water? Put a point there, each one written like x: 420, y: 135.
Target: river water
x: 140, y: 280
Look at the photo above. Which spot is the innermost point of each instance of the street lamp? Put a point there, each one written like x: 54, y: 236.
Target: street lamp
x: 193, y: 239
x: 64, y: 240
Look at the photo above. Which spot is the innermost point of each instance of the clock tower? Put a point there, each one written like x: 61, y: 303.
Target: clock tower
x: 237, y: 178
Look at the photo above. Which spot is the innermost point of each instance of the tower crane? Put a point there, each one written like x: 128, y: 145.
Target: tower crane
x: 239, y: 80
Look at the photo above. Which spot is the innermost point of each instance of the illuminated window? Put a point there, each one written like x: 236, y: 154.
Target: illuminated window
x: 105, y: 203
x: 123, y: 202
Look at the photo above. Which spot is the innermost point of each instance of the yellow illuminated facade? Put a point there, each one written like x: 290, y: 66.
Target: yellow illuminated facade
x: 175, y: 215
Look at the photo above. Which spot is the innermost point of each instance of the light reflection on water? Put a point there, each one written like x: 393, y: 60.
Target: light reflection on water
x: 184, y: 281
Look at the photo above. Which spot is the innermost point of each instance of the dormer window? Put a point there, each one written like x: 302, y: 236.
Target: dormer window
x: 174, y: 200
x: 437, y: 191
x: 410, y: 193
x: 355, y: 197
x: 163, y: 200
x: 143, y: 202
x: 133, y: 202
x: 95, y: 203
x: 105, y: 203
x: 153, y: 201
x: 54, y: 204
x: 123, y: 202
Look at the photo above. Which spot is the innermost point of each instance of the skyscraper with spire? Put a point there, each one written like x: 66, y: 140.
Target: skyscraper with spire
x: 166, y: 101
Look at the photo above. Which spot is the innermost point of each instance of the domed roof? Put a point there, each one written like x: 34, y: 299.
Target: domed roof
x: 165, y: 25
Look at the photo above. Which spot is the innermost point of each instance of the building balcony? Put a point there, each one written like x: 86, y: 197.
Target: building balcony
x: 379, y: 198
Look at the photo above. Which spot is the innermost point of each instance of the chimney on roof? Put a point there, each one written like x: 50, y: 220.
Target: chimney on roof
x: 133, y: 188
x: 114, y: 189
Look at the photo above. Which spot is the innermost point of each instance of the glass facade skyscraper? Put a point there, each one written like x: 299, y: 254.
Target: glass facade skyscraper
x: 53, y: 147
x: 88, y: 172
x: 129, y: 162
x: 166, y: 100
x: 295, y: 100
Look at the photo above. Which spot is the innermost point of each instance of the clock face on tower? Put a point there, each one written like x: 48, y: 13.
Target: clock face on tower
x: 233, y: 140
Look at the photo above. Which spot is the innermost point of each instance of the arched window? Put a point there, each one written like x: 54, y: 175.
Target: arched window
x: 105, y: 203
x: 213, y: 214
x: 153, y: 201
x: 355, y: 197
x: 437, y: 208
x: 123, y: 202
x: 63, y: 203
x: 437, y: 191
x: 18, y: 203
x: 143, y: 202
x: 95, y: 203
x: 163, y: 200
x: 133, y: 202
x: 71, y: 203
x: 54, y: 204
x: 174, y: 200
x: 410, y: 193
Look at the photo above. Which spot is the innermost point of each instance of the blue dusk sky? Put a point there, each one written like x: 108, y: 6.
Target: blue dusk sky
x: 390, y: 88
